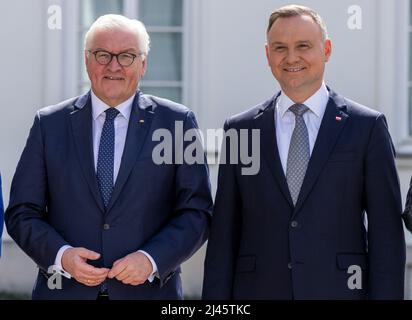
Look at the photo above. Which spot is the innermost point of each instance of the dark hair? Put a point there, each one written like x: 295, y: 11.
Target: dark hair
x: 296, y: 10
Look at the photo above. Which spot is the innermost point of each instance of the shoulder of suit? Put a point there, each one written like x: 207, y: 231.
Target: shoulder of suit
x: 59, y: 108
x: 245, y: 117
x: 356, y: 109
x: 166, y: 105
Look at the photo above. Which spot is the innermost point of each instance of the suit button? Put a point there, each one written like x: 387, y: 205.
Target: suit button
x: 290, y: 265
x: 106, y: 226
x: 294, y: 224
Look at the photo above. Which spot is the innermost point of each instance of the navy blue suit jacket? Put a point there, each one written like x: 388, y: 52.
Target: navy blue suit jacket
x: 261, y: 246
x: 1, y: 213
x: 55, y: 200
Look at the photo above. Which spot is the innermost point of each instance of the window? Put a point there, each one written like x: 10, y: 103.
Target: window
x: 164, y: 22
x: 395, y: 69
x: 90, y: 10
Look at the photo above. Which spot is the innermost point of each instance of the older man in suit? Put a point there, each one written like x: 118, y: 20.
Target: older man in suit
x: 87, y: 195
x: 297, y: 229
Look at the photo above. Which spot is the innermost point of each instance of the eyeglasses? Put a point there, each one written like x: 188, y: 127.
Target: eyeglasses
x: 104, y: 58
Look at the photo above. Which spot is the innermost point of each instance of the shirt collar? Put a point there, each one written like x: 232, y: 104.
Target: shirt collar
x: 316, y: 103
x: 98, y: 106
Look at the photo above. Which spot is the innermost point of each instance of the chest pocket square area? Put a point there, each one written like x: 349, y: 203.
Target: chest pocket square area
x: 342, y: 156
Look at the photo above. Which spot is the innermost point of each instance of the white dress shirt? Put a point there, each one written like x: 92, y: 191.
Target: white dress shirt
x: 285, y: 120
x: 121, y: 123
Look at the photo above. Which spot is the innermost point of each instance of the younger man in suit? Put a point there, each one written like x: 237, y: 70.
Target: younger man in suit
x: 296, y: 230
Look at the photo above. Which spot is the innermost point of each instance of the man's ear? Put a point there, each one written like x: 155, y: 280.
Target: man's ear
x: 267, y: 52
x: 86, y: 57
x: 328, y: 49
x: 144, y: 68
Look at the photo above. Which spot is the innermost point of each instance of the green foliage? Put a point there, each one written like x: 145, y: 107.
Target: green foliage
x: 13, y: 296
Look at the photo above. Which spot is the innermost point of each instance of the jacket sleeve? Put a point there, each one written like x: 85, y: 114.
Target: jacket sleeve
x: 26, y: 216
x: 188, y: 228
x: 407, y: 213
x: 386, y: 243
x: 1, y: 213
x: 223, y: 242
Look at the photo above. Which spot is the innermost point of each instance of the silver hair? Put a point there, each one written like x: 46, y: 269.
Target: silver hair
x: 114, y: 21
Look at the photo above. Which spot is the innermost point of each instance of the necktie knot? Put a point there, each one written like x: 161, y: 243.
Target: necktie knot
x: 298, y: 109
x: 111, y: 113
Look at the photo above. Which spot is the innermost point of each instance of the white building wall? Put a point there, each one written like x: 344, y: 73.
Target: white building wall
x: 227, y: 73
x: 21, y: 84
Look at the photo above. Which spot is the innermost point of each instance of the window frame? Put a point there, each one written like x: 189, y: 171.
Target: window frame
x: 72, y: 31
x: 401, y: 129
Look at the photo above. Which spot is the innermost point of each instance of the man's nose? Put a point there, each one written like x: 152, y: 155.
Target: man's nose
x: 114, y: 65
x: 292, y: 57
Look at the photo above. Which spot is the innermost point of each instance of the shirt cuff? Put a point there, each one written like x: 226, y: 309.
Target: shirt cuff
x: 154, y: 266
x: 58, y: 262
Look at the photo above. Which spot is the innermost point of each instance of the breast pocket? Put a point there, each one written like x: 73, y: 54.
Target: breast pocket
x: 342, y: 157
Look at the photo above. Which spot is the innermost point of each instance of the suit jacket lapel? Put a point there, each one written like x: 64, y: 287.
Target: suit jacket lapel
x: 81, y: 124
x: 332, y: 124
x: 265, y: 121
x: 139, y: 124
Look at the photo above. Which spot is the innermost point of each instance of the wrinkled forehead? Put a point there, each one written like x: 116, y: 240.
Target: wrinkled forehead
x: 114, y: 38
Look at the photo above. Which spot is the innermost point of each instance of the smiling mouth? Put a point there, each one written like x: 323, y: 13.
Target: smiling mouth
x: 113, y: 78
x: 296, y: 69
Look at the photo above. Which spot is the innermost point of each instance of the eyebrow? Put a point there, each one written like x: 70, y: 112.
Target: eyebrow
x: 122, y: 51
x: 278, y: 43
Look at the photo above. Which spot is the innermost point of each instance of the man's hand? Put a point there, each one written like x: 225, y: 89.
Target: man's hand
x: 133, y: 269
x: 74, y: 261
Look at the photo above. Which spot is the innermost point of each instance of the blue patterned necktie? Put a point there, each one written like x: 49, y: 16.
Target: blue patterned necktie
x: 105, y: 160
x: 299, y: 152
